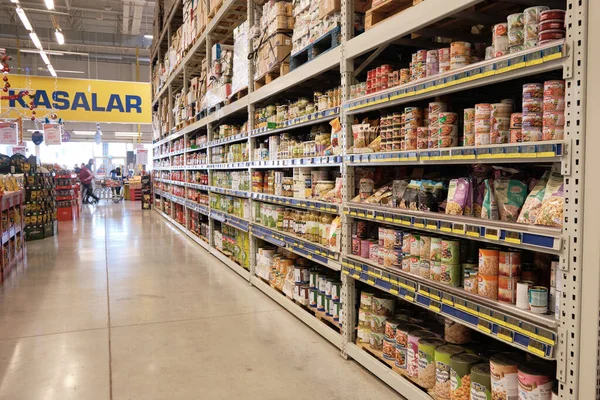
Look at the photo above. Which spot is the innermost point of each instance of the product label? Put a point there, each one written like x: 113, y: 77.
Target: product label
x: 442, y: 372
x: 413, y: 361
x: 454, y: 381
x: 534, y: 392
x: 480, y: 392
x: 504, y: 385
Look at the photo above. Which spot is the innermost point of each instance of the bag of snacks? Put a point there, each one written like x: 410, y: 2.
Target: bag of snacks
x: 359, y: 135
x: 510, y: 196
x: 551, y: 210
x: 425, y: 194
x: 410, y: 200
x: 533, y: 203
x: 458, y: 191
x: 440, y: 194
x: 489, y: 207
x: 335, y: 230
x: 398, y: 189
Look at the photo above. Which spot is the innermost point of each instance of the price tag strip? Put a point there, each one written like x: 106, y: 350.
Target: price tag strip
x: 550, y: 242
x: 495, y: 323
x: 313, y: 252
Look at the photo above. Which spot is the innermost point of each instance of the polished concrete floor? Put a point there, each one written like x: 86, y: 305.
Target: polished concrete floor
x: 122, y: 306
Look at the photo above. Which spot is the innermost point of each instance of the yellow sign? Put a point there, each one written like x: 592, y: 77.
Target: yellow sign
x: 81, y: 100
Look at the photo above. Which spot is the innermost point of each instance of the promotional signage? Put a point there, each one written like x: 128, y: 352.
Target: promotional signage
x: 19, y: 150
x: 8, y: 133
x: 82, y: 100
x: 52, y: 134
x: 142, y: 156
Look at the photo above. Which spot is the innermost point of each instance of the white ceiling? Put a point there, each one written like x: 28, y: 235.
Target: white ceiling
x: 97, y: 27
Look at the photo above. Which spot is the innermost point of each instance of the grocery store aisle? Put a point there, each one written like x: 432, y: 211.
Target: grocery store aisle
x: 123, y: 306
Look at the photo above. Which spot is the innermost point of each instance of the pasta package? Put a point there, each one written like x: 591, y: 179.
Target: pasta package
x: 551, y: 210
x: 458, y: 192
x: 510, y: 196
x: 533, y: 203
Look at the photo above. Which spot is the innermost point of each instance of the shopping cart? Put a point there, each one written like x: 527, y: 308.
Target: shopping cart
x: 117, y: 195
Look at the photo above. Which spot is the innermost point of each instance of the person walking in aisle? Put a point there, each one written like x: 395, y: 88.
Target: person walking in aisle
x: 86, y: 177
x: 117, y: 175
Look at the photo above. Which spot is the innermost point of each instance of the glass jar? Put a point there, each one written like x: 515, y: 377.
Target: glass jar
x: 322, y: 188
x: 326, y: 220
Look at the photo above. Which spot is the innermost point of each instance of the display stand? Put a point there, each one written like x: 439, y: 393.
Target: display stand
x: 40, y: 206
x: 68, y: 197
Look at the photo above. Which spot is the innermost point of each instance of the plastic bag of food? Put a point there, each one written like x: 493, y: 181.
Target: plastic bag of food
x: 335, y: 230
x: 510, y: 196
x: 375, y: 145
x: 458, y: 191
x: 382, y: 193
x: 398, y: 188
x: 411, y: 196
x: 335, y: 194
x: 469, y: 205
x: 551, y: 210
x: 489, y: 207
x: 479, y: 192
x: 533, y: 203
x: 440, y: 193
x: 359, y: 135
x: 425, y: 195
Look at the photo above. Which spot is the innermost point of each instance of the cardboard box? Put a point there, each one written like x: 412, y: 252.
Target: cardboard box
x: 329, y: 7
x: 361, y: 6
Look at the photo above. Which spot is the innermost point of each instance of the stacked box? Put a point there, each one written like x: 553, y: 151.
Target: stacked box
x: 313, y: 20
x: 239, y: 80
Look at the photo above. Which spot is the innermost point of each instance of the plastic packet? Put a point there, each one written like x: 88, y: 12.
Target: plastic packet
x: 533, y: 203
x: 510, y: 196
x: 489, y: 207
x: 411, y: 196
x: 335, y: 230
x: 551, y: 210
x: 458, y: 191
x: 398, y: 189
x: 425, y: 196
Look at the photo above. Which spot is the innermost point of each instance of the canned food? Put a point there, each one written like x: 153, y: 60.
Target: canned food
x: 443, y: 354
x: 390, y: 329
x: 469, y: 139
x: 554, y: 103
x: 516, y: 37
x: 483, y: 111
x: 460, y: 375
x: 447, y: 118
x: 555, y: 88
x: 470, y: 280
x: 538, y: 299
x: 389, y: 349
x: 378, y: 323
x: 448, y: 130
x: 532, y: 15
x: 456, y: 333
x: 363, y: 335
x: 507, y: 289
x: 536, y: 380
x: 424, y: 269
x: 458, y: 49
x: 552, y: 34
x: 533, y: 120
x: 427, y: 364
x: 437, y: 107
x: 450, y: 251
x: 503, y: 375
x: 376, y: 341
x: 413, y: 351
x: 450, y: 274
x: 499, y: 30
x: 415, y: 265
x: 531, y: 134
x: 312, y: 298
x: 552, y: 133
x: 552, y: 15
x: 364, y: 318
x: 480, y: 382
x: 533, y: 91
x: 558, y: 24
x: 435, y: 271
x: 554, y: 118
x: 383, y: 305
x: 366, y: 300
x: 532, y: 106
x: 487, y: 286
x: 415, y: 245
x: 499, y: 136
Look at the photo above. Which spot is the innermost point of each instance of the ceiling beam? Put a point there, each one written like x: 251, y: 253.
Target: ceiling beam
x: 138, y: 10
x: 125, y: 28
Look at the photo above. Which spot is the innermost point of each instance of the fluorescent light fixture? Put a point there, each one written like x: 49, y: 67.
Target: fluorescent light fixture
x: 48, y: 52
x: 60, y: 38
x: 126, y: 134
x: 14, y: 1
x: 51, y: 70
x: 148, y: 37
x: 49, y: 4
x: 24, y: 19
x: 69, y: 72
x: 84, y: 133
x: 45, y: 57
x: 35, y: 40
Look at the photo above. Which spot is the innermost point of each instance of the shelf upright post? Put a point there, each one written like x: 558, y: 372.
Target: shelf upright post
x: 578, y: 368
x: 251, y: 141
x: 209, y: 137
x: 346, y: 72
x: 186, y: 211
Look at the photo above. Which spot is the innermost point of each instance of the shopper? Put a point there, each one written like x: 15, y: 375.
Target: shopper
x: 86, y: 177
x: 117, y: 175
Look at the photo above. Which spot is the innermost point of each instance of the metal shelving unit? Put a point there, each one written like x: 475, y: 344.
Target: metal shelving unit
x: 573, y: 341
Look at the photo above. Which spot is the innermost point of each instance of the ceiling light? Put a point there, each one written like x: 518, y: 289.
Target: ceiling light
x: 35, y: 40
x: 52, y: 71
x: 44, y: 57
x: 69, y: 72
x: 84, y: 133
x: 49, y: 4
x: 24, y: 19
x: 48, y: 52
x: 14, y: 1
x: 126, y: 134
x: 148, y: 37
x: 60, y: 38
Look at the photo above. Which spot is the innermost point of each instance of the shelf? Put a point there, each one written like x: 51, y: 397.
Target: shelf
x: 198, y: 148
x: 197, y: 186
x: 299, y: 203
x: 230, y: 192
x: 396, y: 381
x: 195, y: 48
x: 548, y: 57
x: 322, y: 161
x: 316, y: 67
x: 310, y: 250
x: 528, y: 152
x: 10, y: 233
x: 529, y: 237
x: 199, y: 208
x: 303, y: 315
x: 231, y: 220
x: 231, y: 139
x: 197, y: 166
x: 530, y: 332
x: 306, y: 120
x: 172, y: 136
x: 234, y: 165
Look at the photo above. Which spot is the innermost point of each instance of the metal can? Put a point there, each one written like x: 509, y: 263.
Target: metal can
x: 503, y: 373
x: 480, y: 382
x: 426, y: 364
x: 538, y: 299
x: 312, y: 298
x: 389, y: 349
x: 535, y: 381
x: 460, y: 374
